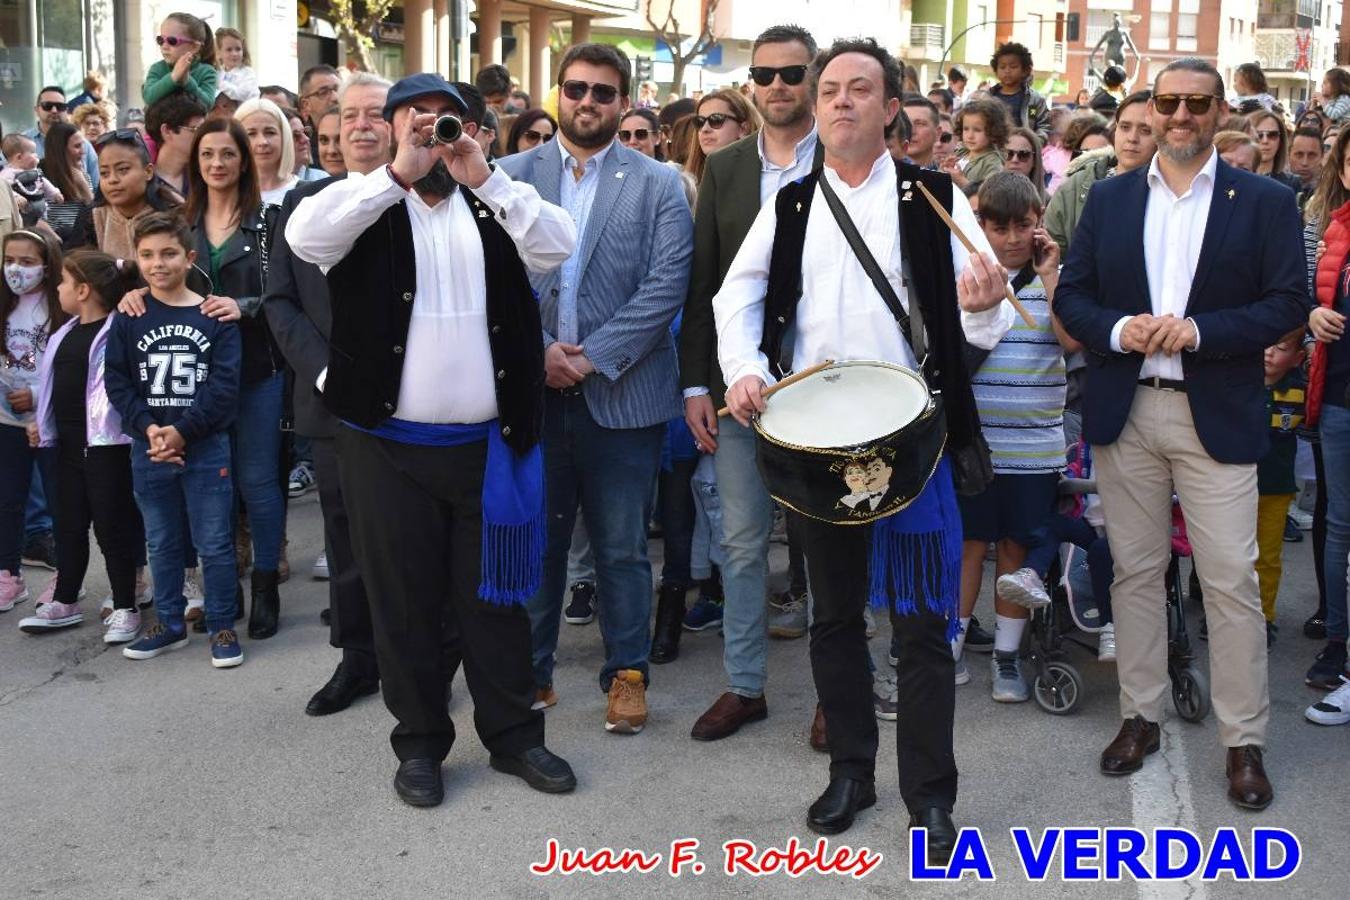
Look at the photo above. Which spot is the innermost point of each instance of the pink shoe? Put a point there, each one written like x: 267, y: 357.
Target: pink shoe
x: 49, y: 593
x: 124, y: 625
x: 52, y: 615
x: 12, y: 590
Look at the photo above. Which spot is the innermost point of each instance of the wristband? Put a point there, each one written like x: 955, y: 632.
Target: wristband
x: 389, y: 167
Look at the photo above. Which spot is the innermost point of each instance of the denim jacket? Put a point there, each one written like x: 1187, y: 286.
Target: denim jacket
x: 103, y: 426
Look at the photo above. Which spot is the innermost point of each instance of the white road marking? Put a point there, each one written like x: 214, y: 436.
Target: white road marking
x: 1161, y: 793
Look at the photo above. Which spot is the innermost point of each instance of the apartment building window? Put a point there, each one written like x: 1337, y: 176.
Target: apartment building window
x: 1186, y: 32
x: 1160, y: 30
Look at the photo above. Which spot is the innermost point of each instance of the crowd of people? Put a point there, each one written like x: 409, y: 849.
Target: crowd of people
x: 500, y: 359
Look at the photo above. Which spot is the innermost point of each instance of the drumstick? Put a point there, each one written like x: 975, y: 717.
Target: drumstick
x: 970, y: 248
x: 791, y: 379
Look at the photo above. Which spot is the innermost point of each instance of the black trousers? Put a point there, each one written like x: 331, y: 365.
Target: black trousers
x: 837, y: 558
x: 93, y: 487
x: 349, y: 627
x: 416, y: 529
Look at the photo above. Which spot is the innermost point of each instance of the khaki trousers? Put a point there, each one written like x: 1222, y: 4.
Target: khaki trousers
x: 1158, y: 451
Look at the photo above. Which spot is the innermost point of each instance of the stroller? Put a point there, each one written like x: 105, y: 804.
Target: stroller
x: 1057, y: 686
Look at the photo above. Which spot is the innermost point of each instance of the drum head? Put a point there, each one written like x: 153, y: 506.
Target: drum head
x: 847, y: 405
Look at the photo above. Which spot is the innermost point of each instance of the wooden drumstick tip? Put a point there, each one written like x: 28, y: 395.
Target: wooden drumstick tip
x: 791, y: 379
x: 970, y: 248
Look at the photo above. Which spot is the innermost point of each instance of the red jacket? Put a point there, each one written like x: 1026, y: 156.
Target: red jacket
x: 1325, y: 288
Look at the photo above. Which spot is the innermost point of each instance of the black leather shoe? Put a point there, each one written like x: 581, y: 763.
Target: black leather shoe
x: 669, y: 624
x: 343, y: 688
x: 941, y: 835
x: 541, y: 770
x: 418, y: 782
x: 266, y: 605
x: 833, y: 812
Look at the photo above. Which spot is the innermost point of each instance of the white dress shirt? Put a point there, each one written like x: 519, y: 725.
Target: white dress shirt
x: 1174, y: 229
x: 447, y: 370
x: 840, y: 315
x: 773, y: 176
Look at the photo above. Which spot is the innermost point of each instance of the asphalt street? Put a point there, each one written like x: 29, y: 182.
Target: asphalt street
x: 170, y: 779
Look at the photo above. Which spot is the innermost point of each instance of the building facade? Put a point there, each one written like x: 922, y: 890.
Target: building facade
x: 1296, y: 41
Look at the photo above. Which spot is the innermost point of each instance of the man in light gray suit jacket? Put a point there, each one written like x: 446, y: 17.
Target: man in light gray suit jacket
x: 610, y: 365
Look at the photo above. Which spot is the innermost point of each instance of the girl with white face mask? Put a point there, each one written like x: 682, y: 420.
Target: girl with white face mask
x: 29, y: 312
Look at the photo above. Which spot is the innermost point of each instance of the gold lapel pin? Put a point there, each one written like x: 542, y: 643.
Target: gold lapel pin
x: 1231, y: 193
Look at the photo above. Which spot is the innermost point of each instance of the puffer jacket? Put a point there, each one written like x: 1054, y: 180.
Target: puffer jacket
x: 1325, y: 278
x: 102, y: 424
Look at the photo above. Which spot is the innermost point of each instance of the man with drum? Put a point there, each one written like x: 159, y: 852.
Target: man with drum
x: 822, y: 301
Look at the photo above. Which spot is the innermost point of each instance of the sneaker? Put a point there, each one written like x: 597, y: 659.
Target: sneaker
x: 977, y: 638
x: 194, y: 595
x: 143, y: 599
x: 1315, y: 627
x: 40, y: 551
x: 225, y: 650
x: 885, y: 697
x: 786, y: 622
x: 49, y: 593
x: 869, y: 622
x: 52, y: 615
x: 1023, y: 587
x: 1302, y: 519
x: 1292, y: 534
x: 581, y: 608
x: 1326, y: 672
x: 157, y: 640
x: 627, y: 711
x: 12, y: 590
x: 1106, y: 643
x: 1009, y: 685
x: 302, y: 480
x: 1334, y: 708
x: 704, y: 614
x: 320, y: 570
x: 544, y: 698
x: 962, y: 671
x: 124, y: 625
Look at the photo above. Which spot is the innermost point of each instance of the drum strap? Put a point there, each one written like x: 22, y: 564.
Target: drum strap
x: 911, y: 324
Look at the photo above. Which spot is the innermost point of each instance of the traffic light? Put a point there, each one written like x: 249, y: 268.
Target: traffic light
x: 644, y: 68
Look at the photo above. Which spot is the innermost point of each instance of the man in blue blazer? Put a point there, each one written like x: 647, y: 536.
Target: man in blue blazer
x: 1179, y: 276
x: 610, y: 365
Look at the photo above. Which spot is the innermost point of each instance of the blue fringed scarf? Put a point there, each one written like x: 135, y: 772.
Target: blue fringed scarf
x: 916, y: 553
x: 513, y: 504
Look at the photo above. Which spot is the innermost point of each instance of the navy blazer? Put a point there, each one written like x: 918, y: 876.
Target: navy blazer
x: 1250, y: 289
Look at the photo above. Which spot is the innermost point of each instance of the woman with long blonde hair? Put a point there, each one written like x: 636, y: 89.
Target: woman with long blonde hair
x: 721, y: 118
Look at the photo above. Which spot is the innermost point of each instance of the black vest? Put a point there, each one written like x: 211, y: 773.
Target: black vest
x: 933, y: 283
x: 372, y: 291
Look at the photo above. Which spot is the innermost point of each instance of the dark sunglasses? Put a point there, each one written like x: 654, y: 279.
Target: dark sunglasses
x: 53, y: 106
x: 173, y: 40
x: 945, y: 138
x: 603, y: 93
x: 764, y: 75
x: 121, y: 134
x: 716, y: 120
x: 1265, y: 135
x: 537, y: 136
x: 1021, y: 155
x: 1196, y: 104
x: 640, y: 134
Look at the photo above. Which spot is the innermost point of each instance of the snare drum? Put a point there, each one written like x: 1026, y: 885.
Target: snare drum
x: 852, y: 443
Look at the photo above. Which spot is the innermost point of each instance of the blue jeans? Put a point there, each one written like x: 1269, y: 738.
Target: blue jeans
x: 1335, y: 431
x: 37, y: 517
x: 256, y: 440
x: 1061, y: 529
x: 610, y: 472
x: 747, y: 520
x: 18, y: 464
x: 201, y: 491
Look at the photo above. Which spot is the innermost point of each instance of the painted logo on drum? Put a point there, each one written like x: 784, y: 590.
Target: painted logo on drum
x: 868, y: 480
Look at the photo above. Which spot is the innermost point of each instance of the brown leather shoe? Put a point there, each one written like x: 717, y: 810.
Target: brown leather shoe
x: 818, y: 741
x: 1138, y: 737
x: 726, y: 716
x: 1248, y: 786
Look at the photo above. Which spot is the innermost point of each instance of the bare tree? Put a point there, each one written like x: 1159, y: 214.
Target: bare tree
x: 356, y: 21
x: 672, y: 34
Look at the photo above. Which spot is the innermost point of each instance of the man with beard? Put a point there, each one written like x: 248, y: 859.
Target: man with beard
x: 610, y: 364
x: 299, y: 312
x: 438, y: 452
x: 1180, y: 274
x: 736, y: 183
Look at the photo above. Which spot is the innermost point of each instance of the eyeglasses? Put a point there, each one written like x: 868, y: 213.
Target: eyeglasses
x: 604, y: 94
x: 716, y: 120
x: 535, y: 137
x: 640, y: 134
x: 1196, y: 104
x: 324, y: 91
x: 1021, y: 155
x: 1264, y: 135
x: 173, y: 40
x: 53, y: 105
x: 945, y: 137
x: 764, y: 75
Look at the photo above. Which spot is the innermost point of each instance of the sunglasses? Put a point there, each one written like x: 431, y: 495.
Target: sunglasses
x: 535, y: 137
x: 945, y: 138
x: 716, y: 120
x: 640, y: 134
x: 1196, y: 104
x: 52, y: 106
x: 173, y: 40
x: 1264, y: 135
x: 604, y: 94
x: 1021, y: 155
x: 764, y: 75
x: 121, y: 134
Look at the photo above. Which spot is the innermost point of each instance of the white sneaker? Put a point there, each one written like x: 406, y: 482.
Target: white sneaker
x: 1009, y: 686
x: 105, y: 608
x: 1302, y: 520
x: 1023, y: 587
x: 124, y: 625
x: 320, y: 570
x: 1106, y: 643
x: 962, y: 673
x: 1334, y: 708
x: 194, y: 595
